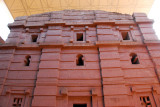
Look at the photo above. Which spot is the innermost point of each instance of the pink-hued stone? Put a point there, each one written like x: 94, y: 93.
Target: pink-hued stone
x: 39, y: 60
x: 1, y: 41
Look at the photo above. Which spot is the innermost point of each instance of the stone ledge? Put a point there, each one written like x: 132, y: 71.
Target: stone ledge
x: 152, y: 41
x: 54, y: 23
x: 104, y: 21
x: 62, y: 44
x: 8, y: 45
x: 139, y: 15
x: 58, y: 44
x: 98, y: 43
x: 107, y: 43
x: 47, y: 23
x: 124, y: 22
x: 11, y: 25
x: 144, y: 21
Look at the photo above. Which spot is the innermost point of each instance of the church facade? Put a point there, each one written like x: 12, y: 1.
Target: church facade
x: 80, y: 58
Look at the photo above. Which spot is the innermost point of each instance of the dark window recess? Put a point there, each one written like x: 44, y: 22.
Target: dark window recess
x: 79, y: 36
x: 17, y: 102
x: 79, y: 105
x: 34, y: 38
x: 145, y: 101
x: 134, y: 58
x: 27, y: 61
x: 125, y: 35
x: 80, y: 60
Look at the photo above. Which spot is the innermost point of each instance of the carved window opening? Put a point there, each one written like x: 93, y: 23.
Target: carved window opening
x: 79, y: 105
x: 17, y: 102
x: 134, y: 58
x: 28, y: 60
x: 80, y: 60
x: 80, y: 37
x: 34, y: 38
x: 145, y: 101
x: 125, y: 35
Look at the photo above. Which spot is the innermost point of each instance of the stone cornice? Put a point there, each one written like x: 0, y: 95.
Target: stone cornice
x: 95, y: 22
x: 79, y: 45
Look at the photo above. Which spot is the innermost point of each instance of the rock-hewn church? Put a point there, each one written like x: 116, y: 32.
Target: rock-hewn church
x: 80, y: 58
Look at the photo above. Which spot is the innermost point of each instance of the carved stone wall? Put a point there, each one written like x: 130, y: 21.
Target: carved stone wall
x: 80, y: 58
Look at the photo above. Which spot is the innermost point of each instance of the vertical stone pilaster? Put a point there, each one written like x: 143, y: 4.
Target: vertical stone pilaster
x: 64, y: 93
x: 152, y: 46
x: 94, y: 98
x: 5, y: 63
x: 113, y: 77
x: 47, y: 79
x: 149, y: 38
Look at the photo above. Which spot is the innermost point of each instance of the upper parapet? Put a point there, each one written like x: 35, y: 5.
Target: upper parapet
x: 81, y: 26
x: 70, y: 17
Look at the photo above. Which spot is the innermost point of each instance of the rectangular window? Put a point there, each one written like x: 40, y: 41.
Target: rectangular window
x: 17, y: 102
x: 80, y: 37
x: 34, y: 38
x: 145, y: 101
x: 79, y: 105
x: 125, y: 35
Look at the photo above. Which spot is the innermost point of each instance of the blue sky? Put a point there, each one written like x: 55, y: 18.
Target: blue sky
x: 7, y: 18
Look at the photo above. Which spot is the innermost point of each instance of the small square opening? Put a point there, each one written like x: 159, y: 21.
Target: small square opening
x: 125, y: 35
x: 79, y: 36
x: 34, y: 38
x: 79, y: 105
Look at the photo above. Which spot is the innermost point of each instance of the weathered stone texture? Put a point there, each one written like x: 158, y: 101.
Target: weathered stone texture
x: 90, y: 57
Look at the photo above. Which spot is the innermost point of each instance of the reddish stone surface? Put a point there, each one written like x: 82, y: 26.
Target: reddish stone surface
x: 1, y: 41
x: 120, y: 55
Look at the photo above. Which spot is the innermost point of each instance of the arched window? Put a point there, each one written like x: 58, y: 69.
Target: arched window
x: 134, y: 58
x: 80, y: 60
x: 34, y: 38
x: 27, y: 60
